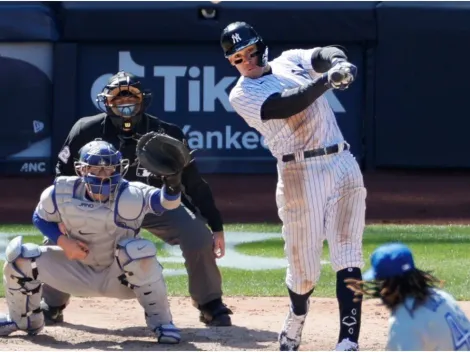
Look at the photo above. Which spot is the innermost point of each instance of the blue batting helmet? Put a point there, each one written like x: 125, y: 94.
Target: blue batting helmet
x: 102, y: 167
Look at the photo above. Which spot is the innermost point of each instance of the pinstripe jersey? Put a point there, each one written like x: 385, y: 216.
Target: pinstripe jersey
x: 312, y: 128
x: 317, y: 198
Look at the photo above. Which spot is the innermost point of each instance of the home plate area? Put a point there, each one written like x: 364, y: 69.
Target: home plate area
x: 110, y: 324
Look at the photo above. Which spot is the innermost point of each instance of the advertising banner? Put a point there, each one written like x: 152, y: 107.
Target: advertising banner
x: 26, y: 107
x: 190, y: 85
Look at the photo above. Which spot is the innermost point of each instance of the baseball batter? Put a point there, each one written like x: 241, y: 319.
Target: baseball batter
x: 95, y: 219
x: 423, y: 317
x: 320, y: 192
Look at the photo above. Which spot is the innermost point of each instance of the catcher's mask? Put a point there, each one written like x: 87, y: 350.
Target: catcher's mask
x: 240, y: 35
x: 123, y: 100
x: 102, y: 168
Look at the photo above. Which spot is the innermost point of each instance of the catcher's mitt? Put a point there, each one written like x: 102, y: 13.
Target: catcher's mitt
x: 161, y: 154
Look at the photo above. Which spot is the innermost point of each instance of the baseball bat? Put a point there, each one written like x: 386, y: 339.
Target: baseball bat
x: 337, y: 77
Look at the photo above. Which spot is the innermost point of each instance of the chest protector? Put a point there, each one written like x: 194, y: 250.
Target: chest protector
x: 99, y: 225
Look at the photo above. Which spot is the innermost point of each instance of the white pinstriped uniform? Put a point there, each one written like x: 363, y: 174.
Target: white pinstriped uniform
x: 318, y: 198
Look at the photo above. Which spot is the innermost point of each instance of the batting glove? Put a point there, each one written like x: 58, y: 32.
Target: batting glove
x: 341, y: 75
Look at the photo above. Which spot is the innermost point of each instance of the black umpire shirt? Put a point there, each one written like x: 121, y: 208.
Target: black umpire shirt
x: 197, y: 193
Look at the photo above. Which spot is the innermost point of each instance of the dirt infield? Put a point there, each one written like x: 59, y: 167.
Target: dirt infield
x: 393, y: 197
x: 90, y: 324
x: 93, y: 324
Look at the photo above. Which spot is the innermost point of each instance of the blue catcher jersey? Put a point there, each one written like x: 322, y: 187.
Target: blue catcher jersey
x: 437, y: 325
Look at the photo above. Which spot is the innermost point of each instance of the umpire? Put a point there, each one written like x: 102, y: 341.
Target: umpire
x: 123, y: 121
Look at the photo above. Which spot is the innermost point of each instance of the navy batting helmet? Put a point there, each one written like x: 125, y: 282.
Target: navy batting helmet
x: 239, y: 35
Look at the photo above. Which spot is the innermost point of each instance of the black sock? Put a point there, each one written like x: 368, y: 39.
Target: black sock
x: 299, y: 302
x: 349, y: 311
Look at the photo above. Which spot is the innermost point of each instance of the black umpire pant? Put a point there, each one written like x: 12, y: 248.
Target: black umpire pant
x: 179, y: 226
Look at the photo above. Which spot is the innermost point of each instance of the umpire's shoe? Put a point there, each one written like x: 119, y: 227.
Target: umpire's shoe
x: 215, y: 313
x: 291, y: 333
x: 52, y: 315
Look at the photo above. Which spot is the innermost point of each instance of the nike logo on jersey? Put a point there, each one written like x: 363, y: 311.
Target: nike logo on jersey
x: 85, y: 233
x: 140, y: 248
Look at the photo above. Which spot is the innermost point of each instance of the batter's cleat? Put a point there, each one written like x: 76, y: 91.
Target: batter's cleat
x: 7, y: 326
x: 168, y: 334
x: 291, y: 333
x: 347, y: 345
x: 52, y: 315
x: 215, y: 313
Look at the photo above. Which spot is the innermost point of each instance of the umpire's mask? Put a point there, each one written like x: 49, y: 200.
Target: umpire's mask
x: 123, y: 100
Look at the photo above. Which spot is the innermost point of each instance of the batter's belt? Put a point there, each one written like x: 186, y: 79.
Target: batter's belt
x: 332, y: 149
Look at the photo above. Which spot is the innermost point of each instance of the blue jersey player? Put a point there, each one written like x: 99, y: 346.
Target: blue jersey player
x: 423, y: 317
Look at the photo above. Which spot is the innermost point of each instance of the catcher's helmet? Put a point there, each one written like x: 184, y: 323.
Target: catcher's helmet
x: 101, y: 166
x: 239, y: 35
x: 122, y: 84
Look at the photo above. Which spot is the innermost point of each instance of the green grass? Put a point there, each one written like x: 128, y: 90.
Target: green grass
x: 442, y: 249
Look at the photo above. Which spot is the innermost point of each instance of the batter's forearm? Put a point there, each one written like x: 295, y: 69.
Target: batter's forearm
x: 49, y: 229
x: 293, y: 101
x: 322, y: 58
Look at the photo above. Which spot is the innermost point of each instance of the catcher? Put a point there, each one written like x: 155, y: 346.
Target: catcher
x: 423, y: 317
x: 95, y: 219
x: 196, y: 227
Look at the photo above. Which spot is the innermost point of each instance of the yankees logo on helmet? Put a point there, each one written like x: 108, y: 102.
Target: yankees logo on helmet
x: 239, y: 35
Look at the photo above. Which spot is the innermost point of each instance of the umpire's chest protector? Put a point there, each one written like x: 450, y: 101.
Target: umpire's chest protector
x: 97, y: 224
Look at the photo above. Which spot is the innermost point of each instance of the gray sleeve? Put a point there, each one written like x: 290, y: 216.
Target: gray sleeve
x: 158, y: 200
x: 142, y: 197
x: 47, y: 208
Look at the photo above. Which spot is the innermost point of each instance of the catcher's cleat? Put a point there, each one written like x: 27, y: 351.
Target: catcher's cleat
x: 52, y: 315
x: 215, y: 313
x: 8, y: 326
x: 168, y: 334
x: 291, y: 333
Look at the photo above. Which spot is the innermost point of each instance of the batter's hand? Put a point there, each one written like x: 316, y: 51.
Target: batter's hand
x: 219, y: 244
x: 73, y: 249
x: 341, y: 75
